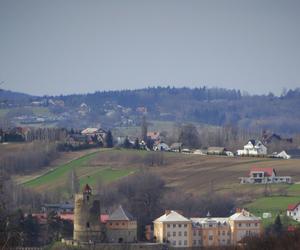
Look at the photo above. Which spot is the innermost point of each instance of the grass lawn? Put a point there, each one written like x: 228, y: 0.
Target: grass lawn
x: 105, y: 175
x: 85, y: 170
x: 59, y: 172
x: 273, y: 204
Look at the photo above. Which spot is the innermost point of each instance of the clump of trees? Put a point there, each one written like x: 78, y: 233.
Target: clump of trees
x: 26, y: 158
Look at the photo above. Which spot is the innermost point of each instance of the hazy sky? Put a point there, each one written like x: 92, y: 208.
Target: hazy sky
x: 72, y: 46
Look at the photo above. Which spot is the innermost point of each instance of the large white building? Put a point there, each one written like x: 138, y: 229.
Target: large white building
x: 253, y: 148
x: 179, y: 231
x: 173, y: 228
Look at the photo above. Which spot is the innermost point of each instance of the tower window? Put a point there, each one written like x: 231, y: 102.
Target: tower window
x: 87, y: 198
x: 87, y: 224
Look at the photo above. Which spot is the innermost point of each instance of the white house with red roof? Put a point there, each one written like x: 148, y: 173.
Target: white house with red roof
x: 294, y: 211
x: 264, y: 176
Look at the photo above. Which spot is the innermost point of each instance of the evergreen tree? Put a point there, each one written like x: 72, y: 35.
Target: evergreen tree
x: 109, y: 140
x: 127, y: 143
x: 277, y: 227
x: 136, y: 144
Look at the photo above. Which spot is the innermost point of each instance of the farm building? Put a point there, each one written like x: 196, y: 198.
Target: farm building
x: 264, y: 176
x: 216, y: 151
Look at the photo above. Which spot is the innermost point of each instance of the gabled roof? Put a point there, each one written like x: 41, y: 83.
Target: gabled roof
x: 252, y: 141
x: 120, y: 214
x: 244, y: 216
x: 172, y: 216
x: 292, y: 207
x: 267, y: 171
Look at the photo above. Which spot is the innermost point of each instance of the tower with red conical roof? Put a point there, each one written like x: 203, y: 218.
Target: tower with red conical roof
x: 87, y: 227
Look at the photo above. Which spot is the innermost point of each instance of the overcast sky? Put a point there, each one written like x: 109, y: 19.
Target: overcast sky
x: 79, y: 46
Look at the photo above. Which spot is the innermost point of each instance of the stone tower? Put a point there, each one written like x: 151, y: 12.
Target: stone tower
x: 87, y: 226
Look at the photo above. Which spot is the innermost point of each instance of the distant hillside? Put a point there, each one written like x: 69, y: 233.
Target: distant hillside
x: 11, y: 96
x: 205, y: 105
x: 213, y: 106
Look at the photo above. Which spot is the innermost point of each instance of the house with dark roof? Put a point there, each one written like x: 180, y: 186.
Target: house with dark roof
x: 264, y: 176
x: 121, y: 227
x: 253, y: 148
x: 293, y: 211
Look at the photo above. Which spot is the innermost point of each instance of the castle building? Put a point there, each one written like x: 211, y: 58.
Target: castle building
x: 121, y: 227
x: 87, y: 227
x: 179, y: 231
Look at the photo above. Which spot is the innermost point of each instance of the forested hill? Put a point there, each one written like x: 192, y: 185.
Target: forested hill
x: 214, y: 106
x: 206, y: 105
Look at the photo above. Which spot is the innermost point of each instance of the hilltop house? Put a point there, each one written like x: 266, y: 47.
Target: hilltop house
x: 179, y: 231
x: 264, y: 176
x: 161, y: 147
x: 94, y: 134
x: 253, y: 148
x: 294, y: 211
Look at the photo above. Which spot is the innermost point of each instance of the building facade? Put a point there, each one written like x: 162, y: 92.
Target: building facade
x: 264, y: 176
x: 179, y: 231
x: 244, y: 224
x: 253, y: 148
x: 121, y: 227
x: 174, y: 229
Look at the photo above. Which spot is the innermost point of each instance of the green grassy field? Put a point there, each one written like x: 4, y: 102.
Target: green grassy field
x: 105, y: 176
x: 87, y: 174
